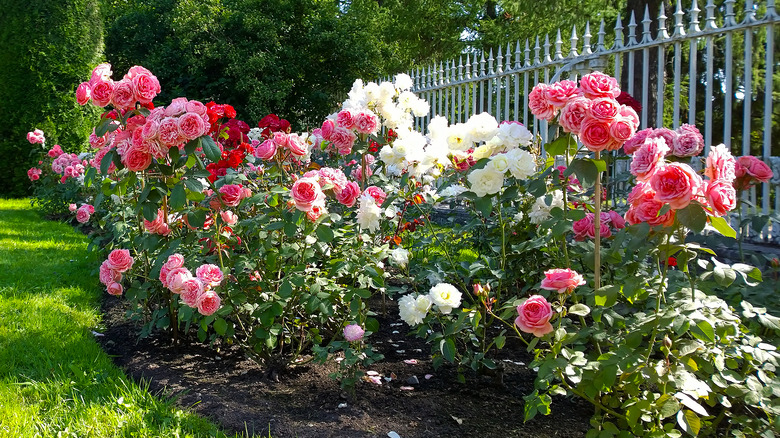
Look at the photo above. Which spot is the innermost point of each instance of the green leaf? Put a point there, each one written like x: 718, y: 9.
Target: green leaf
x: 724, y: 276
x: 324, y: 233
x: 559, y: 145
x: 500, y: 341
x: 693, y: 217
x: 210, y: 149
x: 703, y: 331
x: 178, y: 196
x: 149, y: 211
x: 193, y: 185
x: 105, y: 163
x: 670, y: 407
x: 372, y: 325
x: 192, y: 146
x: 723, y: 227
x: 285, y: 290
x: 587, y: 170
x: 579, y: 309
x: 607, y: 295
x: 689, y: 422
x: 447, y: 347
x: 290, y: 229
x: 484, y: 205
x: 196, y: 218
x: 102, y: 127
x: 220, y: 326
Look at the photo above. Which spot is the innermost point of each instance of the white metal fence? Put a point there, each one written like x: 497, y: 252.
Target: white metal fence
x: 718, y: 75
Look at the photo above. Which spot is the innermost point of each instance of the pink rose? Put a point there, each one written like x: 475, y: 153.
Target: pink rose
x: 102, y: 92
x: 345, y: 119
x: 597, y: 84
x: 266, y: 150
x: 192, y: 126
x: 353, y: 333
x: 330, y: 178
x: 158, y: 225
x: 157, y: 114
x: 306, y: 192
x: 146, y: 87
x: 688, y: 142
x: 37, y: 137
x: 174, y: 261
x: 621, y: 130
x: 636, y: 141
x: 721, y: 197
x: 630, y: 115
x: 296, y: 145
x: 604, y: 108
x: 750, y: 170
x: 137, y: 70
x: 586, y: 227
x: 176, y: 279
x: 573, y: 113
x: 315, y: 212
x: 668, y: 135
x: 349, y: 194
x: 108, y: 275
x: 82, y: 215
x: 83, y: 93
x: 101, y: 73
x: 676, y: 184
x: 540, y: 107
x: 280, y: 139
x: 169, y: 133
x: 194, y: 106
x: 208, y: 303
x: 228, y: 217
x: 209, y: 275
x: 594, y: 134
x: 149, y: 130
x: 136, y: 159
x: 327, y: 129
x: 562, y: 280
x: 647, y: 210
x: 366, y: 123
x: 721, y: 165
x: 177, y: 107
x: 534, y: 316
x: 560, y: 93
x: 123, y: 96
x: 120, y: 260
x: 34, y: 174
x: 231, y: 194
x: 343, y: 139
x: 648, y: 159
x: 378, y: 194
x: 55, y: 152
x: 617, y: 220
x: 115, y: 289
x: 72, y: 208
x: 193, y: 288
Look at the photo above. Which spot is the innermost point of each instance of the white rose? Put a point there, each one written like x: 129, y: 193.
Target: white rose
x: 399, y: 256
x: 368, y: 213
x: 485, y: 181
x: 403, y: 81
x: 412, y: 310
x: 499, y: 163
x: 521, y: 163
x: 445, y: 296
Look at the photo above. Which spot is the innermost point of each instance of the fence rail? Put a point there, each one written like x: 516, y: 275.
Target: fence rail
x: 726, y: 88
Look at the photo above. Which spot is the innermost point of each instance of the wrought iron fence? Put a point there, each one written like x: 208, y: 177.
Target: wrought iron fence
x: 718, y: 75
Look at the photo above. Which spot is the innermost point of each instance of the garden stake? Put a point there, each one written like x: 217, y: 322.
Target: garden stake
x: 597, y: 229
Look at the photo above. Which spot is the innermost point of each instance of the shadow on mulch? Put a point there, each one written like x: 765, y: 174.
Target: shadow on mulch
x: 232, y: 390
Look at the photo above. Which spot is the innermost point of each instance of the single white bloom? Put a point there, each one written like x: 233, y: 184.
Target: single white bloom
x: 482, y: 127
x: 445, y: 296
x: 403, y: 81
x: 412, y: 310
x: 437, y: 128
x: 514, y: 134
x: 522, y: 164
x: 368, y: 213
x: 482, y: 151
x: 399, y: 256
x: 406, y: 100
x: 421, y: 108
x: 453, y: 190
x: 458, y: 138
x: 390, y: 212
x: 519, y: 216
x: 485, y: 181
x: 499, y: 163
x: 540, y: 211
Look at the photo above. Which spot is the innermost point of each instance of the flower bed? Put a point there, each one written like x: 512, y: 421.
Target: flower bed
x: 273, y: 242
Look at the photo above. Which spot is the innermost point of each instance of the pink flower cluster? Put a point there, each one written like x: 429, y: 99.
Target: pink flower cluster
x: 55, y: 152
x: 686, y: 141
x: 533, y: 316
x: 309, y: 192
x: 83, y: 213
x: 138, y: 85
x: 281, y: 142
x: 34, y: 173
x: 118, y: 261
x: 586, y: 227
x: 194, y: 291
x: 341, y: 133
x: 750, y: 171
x: 159, y: 225
x: 36, y: 137
x: 590, y: 110
x: 68, y: 165
x: 678, y: 184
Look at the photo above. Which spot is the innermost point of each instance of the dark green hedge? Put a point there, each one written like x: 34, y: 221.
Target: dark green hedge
x: 46, y: 49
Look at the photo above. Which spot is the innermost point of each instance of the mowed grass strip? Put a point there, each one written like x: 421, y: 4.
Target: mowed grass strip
x: 55, y: 381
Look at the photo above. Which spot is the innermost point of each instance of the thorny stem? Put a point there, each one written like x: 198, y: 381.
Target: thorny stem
x: 659, y: 295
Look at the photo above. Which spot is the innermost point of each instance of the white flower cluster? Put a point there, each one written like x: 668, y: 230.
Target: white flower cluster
x: 368, y: 213
x: 489, y: 180
x: 392, y: 101
x: 540, y: 211
x: 413, y: 309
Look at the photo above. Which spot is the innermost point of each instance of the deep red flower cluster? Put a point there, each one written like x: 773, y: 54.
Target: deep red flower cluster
x: 236, y: 131
x: 216, y: 113
x: 231, y: 159
x: 272, y: 123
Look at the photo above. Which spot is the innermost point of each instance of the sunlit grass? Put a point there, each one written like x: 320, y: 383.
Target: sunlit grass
x: 55, y: 381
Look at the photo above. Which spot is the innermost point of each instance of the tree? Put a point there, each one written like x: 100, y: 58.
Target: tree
x: 46, y: 49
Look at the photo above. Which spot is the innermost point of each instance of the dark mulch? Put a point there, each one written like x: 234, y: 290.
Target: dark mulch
x: 234, y: 392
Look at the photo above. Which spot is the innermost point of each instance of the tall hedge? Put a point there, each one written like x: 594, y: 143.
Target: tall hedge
x: 46, y: 48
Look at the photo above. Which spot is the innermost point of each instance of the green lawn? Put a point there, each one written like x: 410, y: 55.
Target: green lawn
x: 55, y: 381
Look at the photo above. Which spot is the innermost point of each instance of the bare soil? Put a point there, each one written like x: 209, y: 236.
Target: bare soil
x: 235, y: 392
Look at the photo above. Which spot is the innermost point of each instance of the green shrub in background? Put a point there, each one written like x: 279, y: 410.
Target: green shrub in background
x: 45, y: 48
